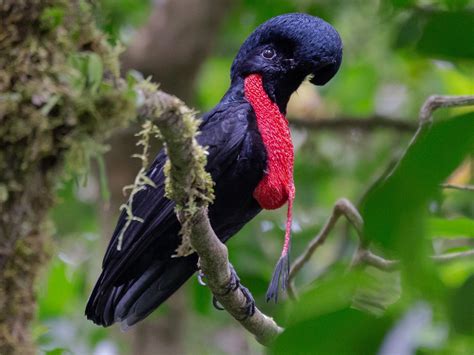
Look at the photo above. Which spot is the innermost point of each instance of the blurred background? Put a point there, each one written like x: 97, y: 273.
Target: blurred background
x: 396, y: 54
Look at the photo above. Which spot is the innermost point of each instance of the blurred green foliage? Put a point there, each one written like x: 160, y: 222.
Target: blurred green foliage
x: 397, y: 53
x: 117, y: 17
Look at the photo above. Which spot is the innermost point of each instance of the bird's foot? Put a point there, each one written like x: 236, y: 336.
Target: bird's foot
x: 249, y: 308
x: 233, y: 285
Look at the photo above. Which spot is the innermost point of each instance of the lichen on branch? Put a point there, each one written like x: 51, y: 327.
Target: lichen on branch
x: 149, y: 131
x: 187, y: 181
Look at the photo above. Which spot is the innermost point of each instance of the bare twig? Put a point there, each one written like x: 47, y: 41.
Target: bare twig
x: 184, y: 155
x: 363, y: 255
x: 342, y: 207
x: 437, y: 101
x: 364, y: 124
x: 444, y: 258
x: 442, y: 245
x: 341, y: 123
x: 367, y: 257
x: 458, y: 187
x: 425, y: 117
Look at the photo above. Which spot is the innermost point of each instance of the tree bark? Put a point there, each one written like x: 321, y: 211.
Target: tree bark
x: 48, y: 111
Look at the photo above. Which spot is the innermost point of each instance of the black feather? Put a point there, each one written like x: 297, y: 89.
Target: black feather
x: 279, y: 278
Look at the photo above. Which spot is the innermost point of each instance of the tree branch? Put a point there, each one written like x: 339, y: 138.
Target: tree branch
x: 458, y: 187
x: 434, y: 102
x: 364, y: 124
x: 369, y: 258
x: 444, y: 258
x: 438, y: 101
x: 342, y: 207
x: 178, y: 127
x: 363, y: 255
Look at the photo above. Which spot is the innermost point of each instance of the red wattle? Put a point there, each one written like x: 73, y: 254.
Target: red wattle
x: 277, y: 186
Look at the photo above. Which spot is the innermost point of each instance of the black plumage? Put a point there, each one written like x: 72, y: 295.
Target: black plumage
x: 138, y: 278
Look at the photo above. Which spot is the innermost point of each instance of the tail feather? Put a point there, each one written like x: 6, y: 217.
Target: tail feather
x: 132, y: 301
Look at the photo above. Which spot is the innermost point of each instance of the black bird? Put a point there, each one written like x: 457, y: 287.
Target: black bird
x: 250, y: 160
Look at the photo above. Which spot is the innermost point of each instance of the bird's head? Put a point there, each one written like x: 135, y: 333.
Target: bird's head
x: 285, y: 50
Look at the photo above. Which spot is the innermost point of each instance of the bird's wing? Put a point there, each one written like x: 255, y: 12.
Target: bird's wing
x: 139, y: 277
x: 156, y: 234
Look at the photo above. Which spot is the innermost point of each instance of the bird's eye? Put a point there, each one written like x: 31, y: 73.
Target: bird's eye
x: 268, y: 53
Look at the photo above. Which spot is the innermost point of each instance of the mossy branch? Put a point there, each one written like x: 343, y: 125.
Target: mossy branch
x: 190, y: 186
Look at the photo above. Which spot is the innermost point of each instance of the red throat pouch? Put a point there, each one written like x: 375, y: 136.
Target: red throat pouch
x: 277, y: 186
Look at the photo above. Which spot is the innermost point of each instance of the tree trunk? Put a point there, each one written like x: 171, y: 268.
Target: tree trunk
x: 48, y: 110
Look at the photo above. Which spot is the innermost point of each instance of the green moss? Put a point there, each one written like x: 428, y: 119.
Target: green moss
x: 60, y: 94
x: 60, y: 84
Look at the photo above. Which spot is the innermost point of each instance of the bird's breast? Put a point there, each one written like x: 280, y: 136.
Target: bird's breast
x: 277, y: 184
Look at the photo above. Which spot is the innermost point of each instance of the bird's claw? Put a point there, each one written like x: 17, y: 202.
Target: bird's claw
x: 233, y: 285
x: 216, y: 304
x: 249, y: 308
x: 234, y: 282
x: 200, y: 277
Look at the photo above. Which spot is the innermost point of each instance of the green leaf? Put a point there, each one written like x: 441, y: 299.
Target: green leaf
x: 345, y: 331
x: 330, y: 295
x: 439, y: 34
x: 455, y: 273
x: 459, y: 227
x: 410, y: 30
x: 456, y: 4
x: 402, y: 3
x: 395, y: 211
x: 381, y: 290
x: 448, y: 35
x: 462, y: 310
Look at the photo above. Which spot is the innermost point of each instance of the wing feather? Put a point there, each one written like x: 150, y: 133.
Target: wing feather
x: 144, y: 264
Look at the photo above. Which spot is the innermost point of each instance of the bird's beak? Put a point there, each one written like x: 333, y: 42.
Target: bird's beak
x: 323, y: 70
